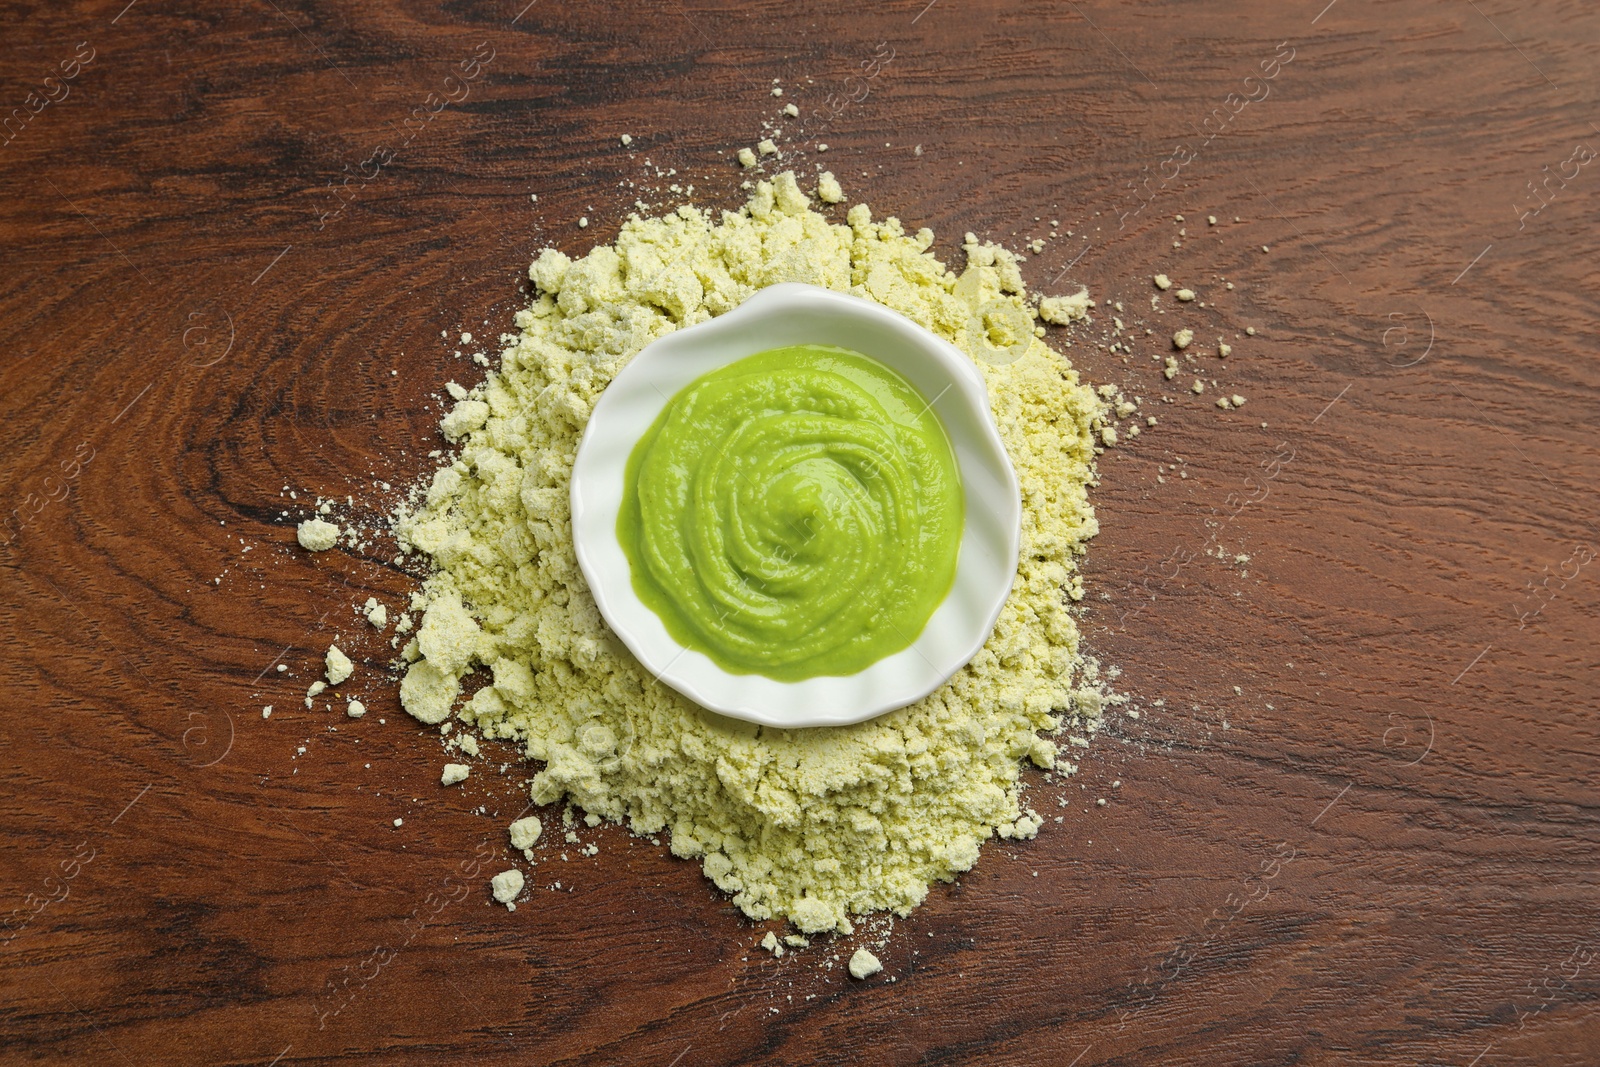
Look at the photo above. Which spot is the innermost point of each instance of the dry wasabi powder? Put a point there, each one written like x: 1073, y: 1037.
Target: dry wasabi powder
x: 1062, y: 310
x: 525, y: 834
x: 317, y: 535
x: 338, y: 664
x: 813, y: 825
x: 828, y: 189
x: 504, y: 887
x: 863, y: 965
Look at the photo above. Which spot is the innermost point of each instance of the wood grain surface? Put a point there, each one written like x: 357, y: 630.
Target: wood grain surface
x: 1355, y: 821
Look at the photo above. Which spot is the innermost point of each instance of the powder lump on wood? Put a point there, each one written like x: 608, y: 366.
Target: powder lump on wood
x: 813, y: 825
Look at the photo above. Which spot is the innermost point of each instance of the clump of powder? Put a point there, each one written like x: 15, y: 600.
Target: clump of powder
x: 813, y: 825
x: 317, y: 535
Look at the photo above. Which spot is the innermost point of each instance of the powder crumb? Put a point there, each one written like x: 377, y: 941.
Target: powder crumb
x: 266, y: 712
x: 505, y: 886
x: 1238, y: 401
x: 453, y: 773
x: 1181, y: 339
x: 1169, y: 371
x: 766, y: 147
x: 626, y: 140
x: 315, y: 690
x: 747, y: 158
x: 1224, y: 403
x: 583, y: 223
x: 355, y: 709
x: 792, y: 111
x: 338, y: 664
x: 1198, y: 387
x: 816, y: 827
x: 376, y: 613
x: 828, y: 189
x: 796, y: 941
x: 1108, y: 435
x: 776, y: 91
x: 822, y: 148
x: 864, y: 965
x: 525, y: 834
x: 1211, y: 220
x: 770, y: 943
x: 1250, y: 331
x: 1185, y: 295
x: 317, y: 535
x: 1224, y: 350
x: 1162, y: 282
x: 399, y: 822
x: 465, y: 417
x: 1061, y: 310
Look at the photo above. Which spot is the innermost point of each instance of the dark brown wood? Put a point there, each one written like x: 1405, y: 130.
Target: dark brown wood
x: 1379, y: 848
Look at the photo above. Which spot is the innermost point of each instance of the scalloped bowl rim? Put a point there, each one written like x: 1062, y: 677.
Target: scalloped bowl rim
x: 776, y: 316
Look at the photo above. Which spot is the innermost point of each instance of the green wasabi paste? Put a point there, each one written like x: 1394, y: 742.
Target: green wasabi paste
x: 793, y: 514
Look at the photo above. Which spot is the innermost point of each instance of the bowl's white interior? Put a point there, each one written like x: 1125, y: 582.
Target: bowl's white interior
x: 790, y: 314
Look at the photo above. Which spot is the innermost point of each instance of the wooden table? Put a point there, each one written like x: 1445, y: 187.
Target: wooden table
x: 1355, y: 820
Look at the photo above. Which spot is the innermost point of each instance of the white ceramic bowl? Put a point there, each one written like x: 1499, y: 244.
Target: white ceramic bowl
x: 791, y: 314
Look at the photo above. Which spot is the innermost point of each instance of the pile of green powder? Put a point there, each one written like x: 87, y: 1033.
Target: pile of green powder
x: 813, y: 825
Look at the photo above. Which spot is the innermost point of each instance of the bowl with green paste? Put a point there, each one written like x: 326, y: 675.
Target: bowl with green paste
x: 799, y: 513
